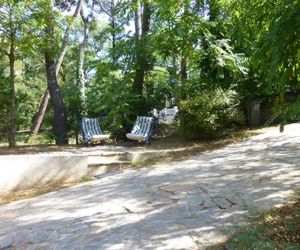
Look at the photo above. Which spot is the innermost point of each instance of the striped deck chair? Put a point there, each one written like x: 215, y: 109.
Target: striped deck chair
x: 168, y: 116
x: 91, y: 131
x: 142, y: 129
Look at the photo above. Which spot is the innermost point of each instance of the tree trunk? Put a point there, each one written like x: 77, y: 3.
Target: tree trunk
x: 60, y: 117
x: 113, y: 32
x: 45, y: 99
x: 141, y: 57
x: 40, y: 115
x: 146, y: 19
x: 137, y: 26
x: 81, y: 56
x: 183, y: 61
x: 64, y: 45
x: 12, y: 132
x: 183, y: 75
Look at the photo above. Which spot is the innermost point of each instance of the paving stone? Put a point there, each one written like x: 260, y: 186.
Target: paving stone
x: 191, y: 223
x: 208, y: 215
x: 195, y: 199
x: 76, y: 228
x: 5, y: 240
x: 208, y: 204
x: 69, y: 242
x: 178, y: 205
x: 182, y: 186
x: 35, y: 236
x: 182, y: 210
x: 223, y: 203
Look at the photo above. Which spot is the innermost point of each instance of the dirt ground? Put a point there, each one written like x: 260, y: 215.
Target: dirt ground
x: 173, y: 141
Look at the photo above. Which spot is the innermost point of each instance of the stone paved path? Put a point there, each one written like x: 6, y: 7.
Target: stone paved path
x: 178, y: 205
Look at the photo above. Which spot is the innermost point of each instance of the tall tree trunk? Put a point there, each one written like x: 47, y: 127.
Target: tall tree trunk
x: 175, y: 77
x: 137, y: 26
x: 12, y: 132
x: 113, y: 31
x: 142, y: 55
x: 45, y: 99
x: 183, y: 75
x: 184, y: 61
x: 40, y: 115
x: 81, y: 57
x: 174, y: 68
x: 64, y: 45
x: 60, y: 116
x: 146, y: 19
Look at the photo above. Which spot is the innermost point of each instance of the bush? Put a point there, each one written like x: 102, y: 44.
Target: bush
x: 212, y: 114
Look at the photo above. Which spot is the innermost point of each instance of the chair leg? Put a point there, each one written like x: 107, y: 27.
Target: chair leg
x: 147, y: 142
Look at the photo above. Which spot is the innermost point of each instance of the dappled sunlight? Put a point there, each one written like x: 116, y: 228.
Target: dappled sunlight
x: 181, y: 204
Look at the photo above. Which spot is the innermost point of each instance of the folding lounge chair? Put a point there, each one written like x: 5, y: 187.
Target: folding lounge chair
x: 91, y: 131
x: 142, y: 129
x: 168, y: 116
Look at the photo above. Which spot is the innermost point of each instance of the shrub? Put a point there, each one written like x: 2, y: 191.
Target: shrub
x: 212, y: 114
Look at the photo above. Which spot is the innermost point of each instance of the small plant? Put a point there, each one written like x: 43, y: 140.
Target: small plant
x: 85, y: 178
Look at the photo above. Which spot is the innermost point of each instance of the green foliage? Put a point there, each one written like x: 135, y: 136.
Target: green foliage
x: 211, y: 114
x: 205, y: 44
x: 279, y: 56
x: 192, y: 50
x: 110, y: 98
x: 270, y: 37
x: 286, y: 111
x: 71, y: 93
x: 158, y: 88
x: 4, y: 99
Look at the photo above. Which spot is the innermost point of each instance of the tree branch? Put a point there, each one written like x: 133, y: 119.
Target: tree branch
x: 4, y: 51
x: 64, y: 46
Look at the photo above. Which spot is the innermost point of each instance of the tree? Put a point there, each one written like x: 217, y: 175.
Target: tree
x: 81, y: 81
x: 271, y: 40
x: 142, y: 18
x: 52, y: 68
x: 12, y: 19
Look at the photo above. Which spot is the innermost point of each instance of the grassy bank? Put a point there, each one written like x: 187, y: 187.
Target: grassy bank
x: 278, y: 228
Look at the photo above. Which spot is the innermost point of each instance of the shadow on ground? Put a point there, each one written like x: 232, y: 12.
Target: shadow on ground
x: 187, y: 204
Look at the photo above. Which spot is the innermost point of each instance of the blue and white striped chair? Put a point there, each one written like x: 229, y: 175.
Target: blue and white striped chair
x: 91, y: 131
x: 142, y: 129
x: 168, y: 116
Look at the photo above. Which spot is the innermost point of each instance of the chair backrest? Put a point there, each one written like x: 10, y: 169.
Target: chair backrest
x: 143, y: 125
x: 90, y: 127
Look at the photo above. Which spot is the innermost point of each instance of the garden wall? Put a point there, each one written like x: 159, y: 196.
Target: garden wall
x: 26, y: 171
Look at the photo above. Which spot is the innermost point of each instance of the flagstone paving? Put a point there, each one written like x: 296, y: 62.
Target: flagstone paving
x: 186, y: 204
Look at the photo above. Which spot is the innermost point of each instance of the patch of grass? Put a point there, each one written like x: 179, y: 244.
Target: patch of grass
x: 85, y: 178
x: 23, y: 139
x: 38, y: 143
x: 278, y: 228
